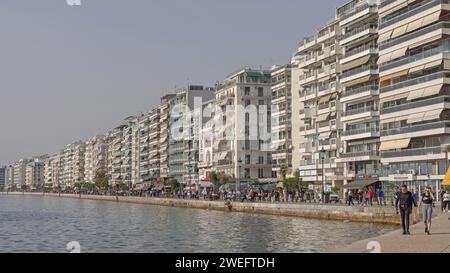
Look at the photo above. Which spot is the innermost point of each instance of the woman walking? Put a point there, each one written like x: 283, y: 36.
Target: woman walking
x: 427, y: 208
x: 446, y: 201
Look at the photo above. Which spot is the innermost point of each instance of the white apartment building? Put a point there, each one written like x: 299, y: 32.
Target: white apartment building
x: 34, y: 173
x: 20, y: 172
x: 359, y: 94
x: 316, y: 121
x: 183, y: 140
x: 72, y: 169
x: 206, y: 141
x: 53, y: 170
x: 95, y: 157
x: 3, y: 173
x: 414, y: 66
x: 282, y: 117
x: 241, y: 150
x: 164, y: 135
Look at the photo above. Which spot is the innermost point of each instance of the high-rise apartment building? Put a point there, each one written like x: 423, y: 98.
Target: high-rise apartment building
x: 359, y: 92
x: 183, y: 140
x: 242, y: 147
x: 34, y: 173
x: 414, y: 68
x: 316, y: 109
x: 95, y: 157
x: 282, y: 125
x: 3, y: 173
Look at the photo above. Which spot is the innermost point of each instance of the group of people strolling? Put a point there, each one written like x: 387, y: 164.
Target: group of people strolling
x: 405, y: 200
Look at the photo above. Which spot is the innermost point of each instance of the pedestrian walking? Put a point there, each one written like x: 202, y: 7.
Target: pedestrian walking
x: 446, y: 201
x: 426, y: 201
x: 370, y: 195
x: 380, y: 196
x: 350, y: 198
x: 404, y: 203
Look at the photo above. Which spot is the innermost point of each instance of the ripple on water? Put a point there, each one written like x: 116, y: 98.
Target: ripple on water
x: 45, y: 224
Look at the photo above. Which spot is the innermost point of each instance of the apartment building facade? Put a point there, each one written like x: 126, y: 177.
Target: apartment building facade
x: 241, y: 149
x: 317, y: 111
x: 281, y: 121
x: 95, y: 159
x: 414, y: 91
x: 35, y: 173
x: 359, y: 94
x: 72, y: 167
x: 183, y: 135
x: 53, y: 170
x: 20, y: 173
x: 164, y: 135
x: 3, y: 174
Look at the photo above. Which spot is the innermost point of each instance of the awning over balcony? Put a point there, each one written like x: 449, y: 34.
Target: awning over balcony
x: 394, y: 98
x: 395, y: 144
x: 392, y: 55
x: 425, y: 116
x: 356, y: 185
x: 325, y: 99
x: 391, y: 10
x: 357, y: 81
x: 354, y: 63
x: 323, y: 136
x: 425, y: 92
x: 394, y: 75
x: 323, y: 117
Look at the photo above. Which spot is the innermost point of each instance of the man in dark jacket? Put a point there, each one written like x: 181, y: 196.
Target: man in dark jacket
x: 405, y: 202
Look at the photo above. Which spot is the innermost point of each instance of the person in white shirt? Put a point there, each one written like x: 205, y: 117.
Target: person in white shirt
x: 446, y: 200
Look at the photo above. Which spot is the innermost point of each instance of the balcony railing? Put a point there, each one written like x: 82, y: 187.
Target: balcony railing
x: 415, y: 81
x: 360, y: 49
x: 413, y: 152
x: 358, y: 90
x: 413, y: 35
x: 416, y: 128
x: 417, y: 104
x: 358, y: 70
x: 359, y: 111
x: 445, y: 47
x: 412, y: 12
x: 359, y: 30
x: 360, y: 154
x: 361, y: 131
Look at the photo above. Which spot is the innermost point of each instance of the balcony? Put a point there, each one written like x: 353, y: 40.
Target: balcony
x: 416, y: 128
x: 412, y: 12
x: 359, y: 156
x: 370, y: 110
x: 414, y: 105
x: 368, y: 48
x: 444, y: 48
x: 359, y: 93
x: 363, y: 71
x: 413, y: 152
x: 359, y: 32
x: 415, y: 81
x: 402, y: 39
x: 360, y: 133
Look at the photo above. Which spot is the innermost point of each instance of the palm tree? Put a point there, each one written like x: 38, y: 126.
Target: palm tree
x: 283, y: 172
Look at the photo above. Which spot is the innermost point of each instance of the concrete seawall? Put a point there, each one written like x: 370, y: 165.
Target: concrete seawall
x: 384, y: 215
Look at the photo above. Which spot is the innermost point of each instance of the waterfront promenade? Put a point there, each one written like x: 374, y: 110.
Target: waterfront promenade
x: 417, y: 242
x: 375, y: 214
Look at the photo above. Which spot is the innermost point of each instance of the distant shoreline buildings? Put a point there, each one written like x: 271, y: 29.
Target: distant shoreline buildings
x: 365, y: 99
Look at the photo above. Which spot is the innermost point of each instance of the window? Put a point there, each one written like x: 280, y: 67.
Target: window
x: 247, y: 159
x: 261, y: 102
x: 260, y: 92
x: 261, y: 160
x: 247, y: 103
x: 260, y: 173
x: 247, y: 91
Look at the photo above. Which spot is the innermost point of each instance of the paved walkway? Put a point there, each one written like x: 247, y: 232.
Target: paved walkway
x: 417, y: 242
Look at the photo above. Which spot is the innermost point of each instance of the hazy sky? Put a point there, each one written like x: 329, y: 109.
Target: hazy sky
x: 68, y: 73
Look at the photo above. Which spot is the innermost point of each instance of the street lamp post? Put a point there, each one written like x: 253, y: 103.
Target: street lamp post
x: 322, y: 157
x: 238, y: 177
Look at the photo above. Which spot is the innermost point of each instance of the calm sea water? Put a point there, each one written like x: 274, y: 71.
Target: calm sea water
x: 46, y: 224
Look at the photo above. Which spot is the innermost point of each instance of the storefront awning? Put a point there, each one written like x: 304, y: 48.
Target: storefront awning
x: 359, y: 184
x: 395, y: 144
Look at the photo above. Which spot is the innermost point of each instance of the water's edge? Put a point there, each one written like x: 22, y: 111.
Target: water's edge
x: 381, y: 215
